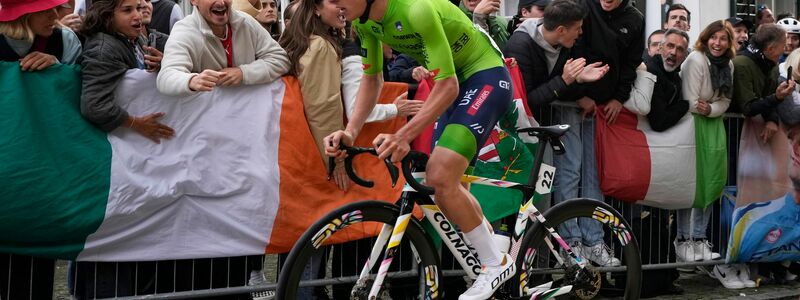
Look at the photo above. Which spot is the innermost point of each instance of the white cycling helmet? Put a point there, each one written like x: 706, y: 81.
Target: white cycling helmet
x: 790, y: 25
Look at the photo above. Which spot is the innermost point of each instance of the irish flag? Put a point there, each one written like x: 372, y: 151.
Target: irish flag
x: 684, y: 166
x: 241, y: 177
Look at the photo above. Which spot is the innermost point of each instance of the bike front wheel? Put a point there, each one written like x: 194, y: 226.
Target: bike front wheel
x: 317, y: 268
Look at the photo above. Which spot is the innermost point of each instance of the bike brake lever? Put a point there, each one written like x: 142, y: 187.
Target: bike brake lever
x: 393, y: 172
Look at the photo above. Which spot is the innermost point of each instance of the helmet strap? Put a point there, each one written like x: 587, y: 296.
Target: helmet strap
x: 365, y: 16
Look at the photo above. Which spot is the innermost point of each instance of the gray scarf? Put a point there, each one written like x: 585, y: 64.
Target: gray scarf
x: 720, y: 71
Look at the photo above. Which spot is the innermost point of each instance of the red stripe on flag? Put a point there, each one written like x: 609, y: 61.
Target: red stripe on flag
x: 623, y: 157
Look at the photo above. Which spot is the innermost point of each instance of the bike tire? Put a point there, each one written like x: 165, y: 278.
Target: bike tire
x: 576, y: 208
x: 371, y: 211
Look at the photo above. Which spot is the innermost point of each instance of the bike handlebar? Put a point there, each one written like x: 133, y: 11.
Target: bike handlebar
x: 414, y: 159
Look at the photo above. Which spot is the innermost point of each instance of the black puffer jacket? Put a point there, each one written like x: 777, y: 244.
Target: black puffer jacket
x: 617, y: 39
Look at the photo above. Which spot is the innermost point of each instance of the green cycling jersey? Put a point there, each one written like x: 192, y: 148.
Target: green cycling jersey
x: 434, y: 32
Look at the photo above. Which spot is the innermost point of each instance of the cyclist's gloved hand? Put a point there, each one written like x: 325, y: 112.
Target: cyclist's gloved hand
x: 333, y: 140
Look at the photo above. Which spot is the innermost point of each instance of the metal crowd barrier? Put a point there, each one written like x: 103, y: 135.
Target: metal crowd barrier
x: 23, y: 278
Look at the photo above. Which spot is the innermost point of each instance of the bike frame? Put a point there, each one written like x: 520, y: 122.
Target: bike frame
x: 391, y: 236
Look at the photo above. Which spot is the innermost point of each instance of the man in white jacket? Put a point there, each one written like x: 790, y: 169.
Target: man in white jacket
x: 218, y: 46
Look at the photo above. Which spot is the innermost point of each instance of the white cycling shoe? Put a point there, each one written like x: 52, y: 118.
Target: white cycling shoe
x: 490, y: 279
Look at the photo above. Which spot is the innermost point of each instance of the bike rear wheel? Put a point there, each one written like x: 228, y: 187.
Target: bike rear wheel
x: 417, y: 258
x: 535, y: 257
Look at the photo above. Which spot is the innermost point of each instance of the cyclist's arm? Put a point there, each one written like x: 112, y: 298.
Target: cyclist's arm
x: 368, y: 91
x: 371, y: 82
x: 440, y: 61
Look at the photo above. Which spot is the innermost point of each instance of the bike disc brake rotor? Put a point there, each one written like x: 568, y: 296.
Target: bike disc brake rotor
x: 585, y: 282
x: 361, y: 292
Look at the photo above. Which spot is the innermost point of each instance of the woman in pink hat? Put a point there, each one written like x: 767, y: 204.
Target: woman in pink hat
x: 115, y: 44
x: 29, y: 34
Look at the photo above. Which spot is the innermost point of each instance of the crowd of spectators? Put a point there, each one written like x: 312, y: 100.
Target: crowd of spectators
x: 587, y: 52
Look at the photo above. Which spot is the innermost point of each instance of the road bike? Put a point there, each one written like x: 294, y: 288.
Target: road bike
x: 533, y: 233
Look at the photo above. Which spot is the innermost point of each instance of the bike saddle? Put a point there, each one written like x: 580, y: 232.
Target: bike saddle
x: 553, y: 131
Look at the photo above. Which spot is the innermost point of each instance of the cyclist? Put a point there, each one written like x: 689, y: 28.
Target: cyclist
x: 472, y: 91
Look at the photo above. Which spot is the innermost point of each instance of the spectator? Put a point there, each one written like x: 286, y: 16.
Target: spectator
x: 667, y: 103
x: 753, y: 83
x: 165, y: 14
x: 404, y: 68
x: 792, y: 28
x: 764, y: 15
x: 678, y: 16
x: 784, y: 15
x: 351, y: 79
x: 264, y: 12
x: 753, y: 77
x: 217, y: 46
x: 542, y: 50
x: 68, y: 18
x: 310, y: 43
x: 612, y: 34
x: 653, y: 44
x: 154, y: 38
x: 287, y: 15
x: 250, y: 7
x: 112, y: 47
x: 481, y: 13
x: 741, y: 32
x: 527, y: 9
x: 268, y: 16
x: 708, y: 86
x: 30, y: 36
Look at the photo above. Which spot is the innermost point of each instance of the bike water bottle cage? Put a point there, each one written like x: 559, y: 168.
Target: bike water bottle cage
x: 365, y: 16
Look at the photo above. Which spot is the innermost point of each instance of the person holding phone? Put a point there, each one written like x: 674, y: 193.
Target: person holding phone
x: 152, y: 41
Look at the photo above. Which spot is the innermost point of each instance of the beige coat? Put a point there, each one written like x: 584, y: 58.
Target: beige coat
x: 320, y: 75
x: 192, y: 47
x: 697, y: 84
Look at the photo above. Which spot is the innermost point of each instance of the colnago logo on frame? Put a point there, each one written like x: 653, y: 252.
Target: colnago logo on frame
x: 447, y: 231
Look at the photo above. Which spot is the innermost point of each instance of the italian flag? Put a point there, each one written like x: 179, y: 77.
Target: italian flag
x: 682, y: 167
x: 241, y: 177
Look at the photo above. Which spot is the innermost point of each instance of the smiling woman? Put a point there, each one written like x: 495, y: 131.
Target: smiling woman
x: 29, y: 35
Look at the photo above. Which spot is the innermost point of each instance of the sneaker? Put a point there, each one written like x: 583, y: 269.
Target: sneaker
x: 577, y: 248
x: 702, y: 250
x: 489, y: 280
x: 684, y: 251
x: 601, y: 255
x: 744, y: 275
x: 728, y: 276
x: 258, y: 278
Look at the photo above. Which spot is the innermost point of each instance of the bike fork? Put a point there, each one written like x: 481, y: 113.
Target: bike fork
x: 391, y: 249
x: 383, y: 237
